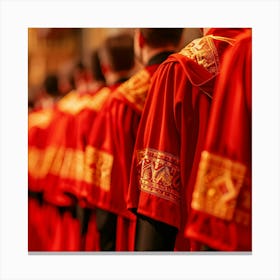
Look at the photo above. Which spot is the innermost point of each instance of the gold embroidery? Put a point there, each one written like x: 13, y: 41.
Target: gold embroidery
x: 40, y: 119
x: 77, y: 167
x: 218, y: 184
x: 136, y: 88
x: 57, y: 161
x: 98, y: 168
x: 74, y: 104
x: 159, y: 174
x: 40, y: 161
x: 66, y: 163
x: 67, y: 101
x: 204, y: 52
x: 33, y: 159
x: 96, y: 102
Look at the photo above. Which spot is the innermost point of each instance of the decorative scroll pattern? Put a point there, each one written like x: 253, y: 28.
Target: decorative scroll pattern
x: 136, y: 88
x: 204, y: 52
x: 98, y: 168
x: 159, y: 174
x: 218, y: 185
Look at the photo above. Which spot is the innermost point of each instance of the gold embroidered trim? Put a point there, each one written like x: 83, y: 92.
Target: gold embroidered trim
x: 40, y: 119
x: 159, y: 174
x: 136, y: 88
x: 98, y: 168
x: 97, y: 101
x: 63, y: 162
x: 74, y: 104
x: 57, y: 161
x: 204, y: 52
x: 66, y: 103
x: 40, y: 161
x: 218, y: 185
x: 77, y: 165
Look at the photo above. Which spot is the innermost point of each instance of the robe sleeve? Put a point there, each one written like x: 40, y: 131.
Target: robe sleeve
x: 221, y: 202
x: 109, y: 153
x: 155, y: 187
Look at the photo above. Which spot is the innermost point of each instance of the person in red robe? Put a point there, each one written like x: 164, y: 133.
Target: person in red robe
x: 170, y: 140
x: 46, y: 154
x: 117, y: 63
x: 61, y: 223
x: 221, y: 214
x: 111, y: 143
x: 39, y: 120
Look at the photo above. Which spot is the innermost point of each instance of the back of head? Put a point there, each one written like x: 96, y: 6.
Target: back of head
x: 162, y: 37
x: 51, y: 85
x: 117, y: 53
x: 96, y: 67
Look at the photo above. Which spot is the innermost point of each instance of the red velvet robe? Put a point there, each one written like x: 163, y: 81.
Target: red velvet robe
x: 61, y: 141
x: 221, y: 203
x: 172, y: 132
x: 80, y: 129
x: 73, y: 183
x: 110, y: 150
x: 71, y: 177
x: 38, y: 122
x: 62, y: 227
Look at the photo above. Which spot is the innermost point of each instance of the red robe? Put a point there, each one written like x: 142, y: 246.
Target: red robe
x: 73, y: 183
x: 221, y: 203
x: 172, y: 132
x: 62, y: 226
x: 38, y: 122
x: 80, y: 129
x: 110, y: 150
x: 71, y: 176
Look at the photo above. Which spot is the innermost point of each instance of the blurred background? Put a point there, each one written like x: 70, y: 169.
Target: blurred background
x: 59, y: 51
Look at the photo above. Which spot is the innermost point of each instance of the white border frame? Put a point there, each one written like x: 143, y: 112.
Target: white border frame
x: 17, y: 16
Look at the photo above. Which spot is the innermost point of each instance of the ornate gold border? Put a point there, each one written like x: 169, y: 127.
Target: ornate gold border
x: 159, y: 174
x: 218, y: 185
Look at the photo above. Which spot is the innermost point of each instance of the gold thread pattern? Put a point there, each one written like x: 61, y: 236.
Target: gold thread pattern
x: 135, y: 89
x: 218, y: 185
x: 204, y: 52
x: 159, y: 174
x: 98, y: 168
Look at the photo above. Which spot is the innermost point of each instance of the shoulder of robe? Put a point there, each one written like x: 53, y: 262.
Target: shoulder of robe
x: 67, y: 103
x: 73, y: 103
x: 96, y: 101
x: 40, y: 119
x: 204, y: 52
x: 135, y: 89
